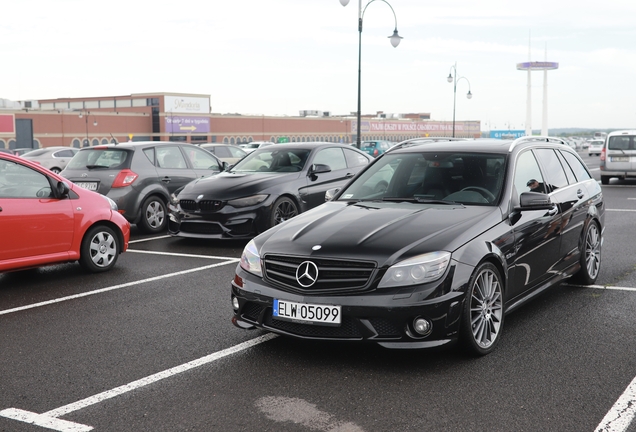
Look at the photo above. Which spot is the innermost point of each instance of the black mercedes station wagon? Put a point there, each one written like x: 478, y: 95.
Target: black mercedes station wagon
x: 433, y: 243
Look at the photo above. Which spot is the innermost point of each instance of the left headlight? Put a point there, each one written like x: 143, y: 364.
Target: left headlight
x: 113, y: 204
x: 250, y: 259
x: 248, y: 201
x: 417, y: 270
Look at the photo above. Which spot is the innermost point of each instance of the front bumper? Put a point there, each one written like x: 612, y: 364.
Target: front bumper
x: 382, y: 316
x: 229, y: 223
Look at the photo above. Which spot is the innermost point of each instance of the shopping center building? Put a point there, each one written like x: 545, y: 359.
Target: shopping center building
x: 90, y: 121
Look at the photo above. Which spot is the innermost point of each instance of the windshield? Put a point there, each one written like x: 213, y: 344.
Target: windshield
x: 98, y: 158
x: 462, y: 177
x: 273, y: 160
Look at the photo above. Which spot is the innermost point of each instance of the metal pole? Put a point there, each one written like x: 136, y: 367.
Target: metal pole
x: 358, y: 143
x: 454, y: 98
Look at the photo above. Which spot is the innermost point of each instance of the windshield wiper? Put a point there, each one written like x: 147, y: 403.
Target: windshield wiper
x: 97, y: 166
x: 420, y: 200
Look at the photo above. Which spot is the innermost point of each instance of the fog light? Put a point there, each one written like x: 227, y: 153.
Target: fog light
x: 422, y: 326
x: 235, y: 303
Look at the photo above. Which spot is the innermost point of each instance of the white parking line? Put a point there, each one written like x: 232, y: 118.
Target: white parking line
x: 116, y: 287
x: 49, y: 418
x: 148, y: 239
x: 622, y: 413
x: 182, y: 255
x: 620, y: 210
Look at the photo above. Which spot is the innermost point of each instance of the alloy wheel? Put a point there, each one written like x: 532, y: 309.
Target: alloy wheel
x: 486, y: 308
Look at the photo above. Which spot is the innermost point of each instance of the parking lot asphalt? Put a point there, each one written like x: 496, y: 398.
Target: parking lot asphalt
x: 149, y: 346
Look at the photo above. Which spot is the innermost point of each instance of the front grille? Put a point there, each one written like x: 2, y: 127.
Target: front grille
x: 333, y: 275
x: 201, y: 228
x: 251, y: 311
x: 385, y: 328
x: 201, y: 206
x: 347, y: 329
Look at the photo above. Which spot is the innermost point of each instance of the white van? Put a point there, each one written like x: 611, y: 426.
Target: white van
x: 618, y: 158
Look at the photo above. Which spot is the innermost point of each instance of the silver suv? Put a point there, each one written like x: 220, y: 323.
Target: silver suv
x: 618, y: 158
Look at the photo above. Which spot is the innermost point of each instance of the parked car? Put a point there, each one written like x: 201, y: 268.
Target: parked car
x: 455, y: 242
x: 47, y: 220
x: 141, y: 176
x: 226, y: 152
x: 53, y: 158
x: 267, y: 187
x: 618, y: 157
x: 375, y: 148
x: 250, y: 147
x: 595, y: 147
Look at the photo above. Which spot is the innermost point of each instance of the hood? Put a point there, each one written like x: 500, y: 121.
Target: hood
x: 380, y: 232
x: 228, y: 185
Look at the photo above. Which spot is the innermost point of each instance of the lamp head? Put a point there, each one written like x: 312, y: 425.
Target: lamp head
x: 449, y: 78
x: 469, y: 95
x: 344, y: 2
x: 395, y: 38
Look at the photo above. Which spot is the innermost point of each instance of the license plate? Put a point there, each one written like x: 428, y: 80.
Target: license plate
x: 88, y: 185
x: 306, y: 313
x: 620, y: 158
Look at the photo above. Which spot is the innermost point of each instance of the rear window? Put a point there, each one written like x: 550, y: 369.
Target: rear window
x: 99, y: 158
x: 622, y: 142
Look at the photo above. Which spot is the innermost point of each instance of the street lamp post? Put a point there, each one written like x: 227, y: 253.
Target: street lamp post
x: 395, y: 41
x: 87, y: 142
x: 452, y: 78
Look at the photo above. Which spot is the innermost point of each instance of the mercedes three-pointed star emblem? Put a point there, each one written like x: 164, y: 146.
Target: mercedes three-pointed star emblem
x: 307, y: 274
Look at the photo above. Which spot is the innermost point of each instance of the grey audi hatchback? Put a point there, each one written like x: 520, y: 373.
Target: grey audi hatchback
x: 140, y: 176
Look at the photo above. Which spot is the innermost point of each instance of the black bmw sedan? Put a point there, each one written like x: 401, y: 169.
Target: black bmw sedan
x: 460, y: 234
x: 269, y: 186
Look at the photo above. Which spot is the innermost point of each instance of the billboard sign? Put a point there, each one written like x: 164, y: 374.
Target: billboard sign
x: 7, y: 124
x: 507, y: 134
x: 185, y: 104
x: 183, y: 124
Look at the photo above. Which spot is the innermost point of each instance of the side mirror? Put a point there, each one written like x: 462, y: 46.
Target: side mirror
x: 319, y: 169
x: 62, y: 189
x: 225, y: 166
x: 534, y: 201
x: 331, y: 193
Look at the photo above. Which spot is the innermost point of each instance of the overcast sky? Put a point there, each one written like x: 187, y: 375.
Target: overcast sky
x: 277, y: 57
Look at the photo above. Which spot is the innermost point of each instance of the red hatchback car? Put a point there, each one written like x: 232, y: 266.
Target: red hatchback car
x: 45, y: 219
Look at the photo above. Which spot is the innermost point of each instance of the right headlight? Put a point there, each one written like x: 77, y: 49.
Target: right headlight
x: 250, y: 259
x: 417, y: 270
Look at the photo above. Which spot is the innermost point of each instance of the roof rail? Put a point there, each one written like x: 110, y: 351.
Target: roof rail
x: 423, y: 140
x: 535, y: 138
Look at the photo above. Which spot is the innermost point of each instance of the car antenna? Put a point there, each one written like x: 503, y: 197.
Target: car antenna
x: 114, y: 141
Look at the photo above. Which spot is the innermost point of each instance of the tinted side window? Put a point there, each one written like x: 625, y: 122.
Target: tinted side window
x: 200, y: 159
x: 554, y: 171
x: 355, y: 159
x: 568, y: 171
x: 64, y: 154
x: 150, y: 154
x: 332, y: 157
x: 22, y: 182
x: 577, y: 166
x: 527, y: 169
x: 170, y: 157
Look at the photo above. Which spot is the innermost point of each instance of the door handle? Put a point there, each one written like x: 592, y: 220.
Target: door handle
x: 349, y: 175
x: 166, y: 179
x: 553, y: 211
x: 579, y: 193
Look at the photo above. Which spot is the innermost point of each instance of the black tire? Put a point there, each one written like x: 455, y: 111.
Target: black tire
x: 100, y: 249
x: 590, y: 256
x: 154, y: 215
x: 483, y: 315
x: 283, y: 209
x: 605, y: 179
